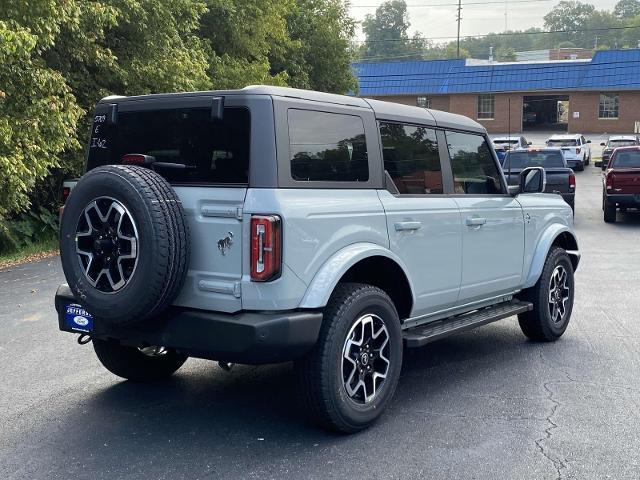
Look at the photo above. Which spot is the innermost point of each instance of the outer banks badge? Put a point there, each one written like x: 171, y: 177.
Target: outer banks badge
x: 78, y: 319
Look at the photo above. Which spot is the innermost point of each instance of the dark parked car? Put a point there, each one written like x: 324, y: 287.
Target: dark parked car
x: 621, y: 188
x: 560, y: 178
x: 613, y: 143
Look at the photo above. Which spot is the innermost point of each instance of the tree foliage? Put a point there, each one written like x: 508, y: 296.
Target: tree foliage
x: 59, y: 57
x: 387, y: 34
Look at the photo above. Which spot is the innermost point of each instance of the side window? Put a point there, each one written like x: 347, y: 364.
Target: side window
x: 411, y: 158
x: 474, y: 170
x: 327, y: 147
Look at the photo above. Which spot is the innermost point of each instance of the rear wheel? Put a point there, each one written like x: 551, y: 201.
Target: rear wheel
x: 351, y: 374
x: 552, y: 299
x: 580, y: 167
x: 148, y: 364
x: 609, y: 211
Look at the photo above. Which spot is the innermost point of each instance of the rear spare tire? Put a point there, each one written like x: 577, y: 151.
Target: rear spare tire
x: 124, y: 243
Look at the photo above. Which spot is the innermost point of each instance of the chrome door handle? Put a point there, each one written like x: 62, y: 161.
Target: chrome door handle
x: 475, y: 221
x: 401, y: 226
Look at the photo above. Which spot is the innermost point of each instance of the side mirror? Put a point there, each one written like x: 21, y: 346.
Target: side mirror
x: 588, y: 141
x: 533, y: 180
x: 529, y: 143
x: 603, y: 144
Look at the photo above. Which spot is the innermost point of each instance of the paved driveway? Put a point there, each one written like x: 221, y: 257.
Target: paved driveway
x: 486, y: 404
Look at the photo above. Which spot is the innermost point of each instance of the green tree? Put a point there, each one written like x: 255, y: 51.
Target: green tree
x: 38, y: 113
x: 239, y: 36
x: 506, y: 54
x: 387, y: 34
x: 317, y: 53
x: 570, y: 19
x: 625, y: 9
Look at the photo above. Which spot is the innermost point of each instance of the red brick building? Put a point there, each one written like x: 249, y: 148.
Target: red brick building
x: 587, y: 96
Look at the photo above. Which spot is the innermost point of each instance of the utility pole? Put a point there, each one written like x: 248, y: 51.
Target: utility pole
x: 505, y: 16
x: 459, y: 18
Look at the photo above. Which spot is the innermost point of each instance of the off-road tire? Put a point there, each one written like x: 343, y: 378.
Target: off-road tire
x: 319, y: 373
x: 609, y: 211
x: 163, y: 245
x: 537, y: 324
x: 131, y: 364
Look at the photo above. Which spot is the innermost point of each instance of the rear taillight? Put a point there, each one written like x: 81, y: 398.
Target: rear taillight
x: 266, y: 247
x: 65, y: 194
x: 572, y: 181
x: 577, y: 151
x: 133, y: 159
x: 609, y: 179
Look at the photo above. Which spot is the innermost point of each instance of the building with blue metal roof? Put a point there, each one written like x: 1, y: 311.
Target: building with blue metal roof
x: 601, y: 94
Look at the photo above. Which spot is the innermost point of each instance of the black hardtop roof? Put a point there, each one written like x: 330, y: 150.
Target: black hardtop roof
x: 382, y: 110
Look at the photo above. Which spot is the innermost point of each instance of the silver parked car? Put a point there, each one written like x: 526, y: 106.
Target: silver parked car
x: 269, y: 224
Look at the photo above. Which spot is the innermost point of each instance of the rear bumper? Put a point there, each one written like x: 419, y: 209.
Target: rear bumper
x: 625, y: 199
x: 569, y: 198
x: 574, y: 162
x: 246, y: 337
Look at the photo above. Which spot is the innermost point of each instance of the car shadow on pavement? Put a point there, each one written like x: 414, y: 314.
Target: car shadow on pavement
x: 236, y: 422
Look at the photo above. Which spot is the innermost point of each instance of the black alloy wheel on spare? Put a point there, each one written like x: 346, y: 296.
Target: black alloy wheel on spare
x: 124, y: 243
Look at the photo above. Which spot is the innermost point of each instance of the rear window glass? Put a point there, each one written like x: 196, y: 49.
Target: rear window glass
x: 562, y: 143
x: 327, y: 147
x: 621, y: 143
x: 188, y: 146
x: 627, y: 159
x: 533, y: 159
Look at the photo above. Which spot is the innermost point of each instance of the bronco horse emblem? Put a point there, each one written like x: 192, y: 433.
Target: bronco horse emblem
x: 225, y: 243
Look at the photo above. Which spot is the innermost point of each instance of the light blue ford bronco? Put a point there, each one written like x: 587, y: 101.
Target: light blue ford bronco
x: 269, y: 224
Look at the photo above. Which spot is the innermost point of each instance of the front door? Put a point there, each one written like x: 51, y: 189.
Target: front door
x: 423, y: 223
x: 491, y: 220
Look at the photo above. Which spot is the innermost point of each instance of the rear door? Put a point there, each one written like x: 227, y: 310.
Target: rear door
x: 491, y: 220
x: 423, y: 222
x: 206, y: 160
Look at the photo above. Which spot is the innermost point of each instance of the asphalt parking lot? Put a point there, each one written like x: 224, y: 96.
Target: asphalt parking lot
x: 484, y: 405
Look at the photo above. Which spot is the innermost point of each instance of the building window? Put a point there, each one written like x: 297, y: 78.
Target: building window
x: 608, y: 105
x: 486, y: 106
x: 424, y: 102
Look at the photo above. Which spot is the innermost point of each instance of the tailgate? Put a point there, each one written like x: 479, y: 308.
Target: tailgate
x: 557, y: 182
x: 215, y: 270
x: 626, y: 181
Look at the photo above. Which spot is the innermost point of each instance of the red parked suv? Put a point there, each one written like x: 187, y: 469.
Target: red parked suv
x: 621, y: 188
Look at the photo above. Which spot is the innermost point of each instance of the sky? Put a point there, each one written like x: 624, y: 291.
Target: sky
x: 440, y: 21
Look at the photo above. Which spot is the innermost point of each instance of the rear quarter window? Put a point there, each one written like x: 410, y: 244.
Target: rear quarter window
x: 187, y: 144
x: 327, y: 147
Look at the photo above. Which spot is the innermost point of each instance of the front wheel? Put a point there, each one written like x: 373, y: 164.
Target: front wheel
x: 552, y: 299
x: 138, y: 364
x: 351, y: 374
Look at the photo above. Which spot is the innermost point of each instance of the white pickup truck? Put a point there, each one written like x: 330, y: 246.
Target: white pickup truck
x: 575, y: 148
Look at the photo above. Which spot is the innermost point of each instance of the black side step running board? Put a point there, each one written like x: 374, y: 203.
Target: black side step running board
x: 423, y: 334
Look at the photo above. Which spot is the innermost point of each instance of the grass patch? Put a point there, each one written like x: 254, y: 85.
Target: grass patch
x: 29, y: 253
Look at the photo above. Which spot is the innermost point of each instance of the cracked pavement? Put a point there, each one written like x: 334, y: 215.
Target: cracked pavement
x: 485, y: 404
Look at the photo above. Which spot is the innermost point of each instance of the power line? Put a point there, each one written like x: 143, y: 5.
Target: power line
x: 503, y: 34
x: 488, y: 2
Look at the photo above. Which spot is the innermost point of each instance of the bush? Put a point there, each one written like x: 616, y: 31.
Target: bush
x: 28, y: 228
